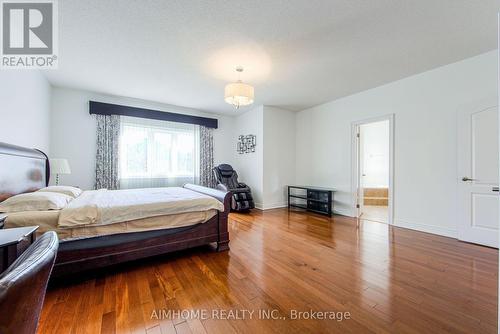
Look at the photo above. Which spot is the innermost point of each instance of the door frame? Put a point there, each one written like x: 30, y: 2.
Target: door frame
x: 355, y: 159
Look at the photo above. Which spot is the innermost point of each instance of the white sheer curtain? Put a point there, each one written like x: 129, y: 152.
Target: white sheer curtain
x: 158, y: 153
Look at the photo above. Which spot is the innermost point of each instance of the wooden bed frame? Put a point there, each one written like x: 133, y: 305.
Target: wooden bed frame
x: 26, y: 170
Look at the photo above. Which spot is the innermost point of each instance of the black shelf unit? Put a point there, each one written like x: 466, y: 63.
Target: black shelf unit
x: 316, y: 199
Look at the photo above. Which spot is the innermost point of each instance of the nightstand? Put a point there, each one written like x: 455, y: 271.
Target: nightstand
x: 13, y: 242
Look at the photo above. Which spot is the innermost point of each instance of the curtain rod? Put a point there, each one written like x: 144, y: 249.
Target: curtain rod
x: 100, y: 108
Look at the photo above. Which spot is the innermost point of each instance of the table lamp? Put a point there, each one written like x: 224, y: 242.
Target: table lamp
x: 59, y: 166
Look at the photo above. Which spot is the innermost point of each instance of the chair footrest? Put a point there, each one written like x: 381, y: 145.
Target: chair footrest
x: 243, y: 196
x: 242, y: 201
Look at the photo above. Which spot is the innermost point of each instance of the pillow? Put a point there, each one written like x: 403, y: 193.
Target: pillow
x: 66, y: 190
x: 36, y: 201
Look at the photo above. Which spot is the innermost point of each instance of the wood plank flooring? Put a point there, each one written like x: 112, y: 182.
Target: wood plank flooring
x: 390, y: 280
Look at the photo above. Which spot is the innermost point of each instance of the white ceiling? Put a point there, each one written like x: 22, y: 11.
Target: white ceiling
x: 297, y: 53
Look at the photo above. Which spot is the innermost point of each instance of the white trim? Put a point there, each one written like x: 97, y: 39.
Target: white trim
x: 446, y: 232
x: 342, y: 212
x: 354, y: 161
x: 259, y: 206
x: 274, y: 206
x: 263, y: 207
x: 498, y: 103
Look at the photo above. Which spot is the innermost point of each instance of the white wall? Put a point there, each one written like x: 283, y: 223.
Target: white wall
x: 425, y: 108
x: 25, y: 109
x: 73, y: 133
x: 375, y: 150
x: 271, y: 167
x: 250, y: 166
x: 279, y: 155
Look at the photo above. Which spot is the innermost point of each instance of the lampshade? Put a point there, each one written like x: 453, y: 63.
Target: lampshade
x: 59, y: 166
x: 239, y: 94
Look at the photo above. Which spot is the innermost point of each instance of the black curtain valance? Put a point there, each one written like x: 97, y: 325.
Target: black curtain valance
x: 100, y: 108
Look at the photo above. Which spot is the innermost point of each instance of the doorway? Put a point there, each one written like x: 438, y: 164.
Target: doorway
x: 373, y: 171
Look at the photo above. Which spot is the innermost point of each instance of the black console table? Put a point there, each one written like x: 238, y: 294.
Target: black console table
x: 315, y: 199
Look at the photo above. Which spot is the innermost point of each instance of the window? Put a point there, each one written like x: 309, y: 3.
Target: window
x: 157, y: 153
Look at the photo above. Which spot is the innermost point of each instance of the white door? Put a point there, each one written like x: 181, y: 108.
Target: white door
x: 478, y: 176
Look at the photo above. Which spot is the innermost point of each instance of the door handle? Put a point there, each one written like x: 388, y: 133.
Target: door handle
x: 465, y: 179
x: 497, y: 189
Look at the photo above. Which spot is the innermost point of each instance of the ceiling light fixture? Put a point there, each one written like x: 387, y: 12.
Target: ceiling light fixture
x: 238, y: 93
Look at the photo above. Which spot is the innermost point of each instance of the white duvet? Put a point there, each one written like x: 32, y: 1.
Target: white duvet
x: 104, y: 207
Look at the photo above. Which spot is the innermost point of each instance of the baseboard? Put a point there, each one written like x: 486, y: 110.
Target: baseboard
x: 262, y: 207
x: 274, y: 206
x: 445, y: 232
x: 341, y: 212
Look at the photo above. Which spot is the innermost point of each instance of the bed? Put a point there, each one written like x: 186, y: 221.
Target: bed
x: 90, y: 246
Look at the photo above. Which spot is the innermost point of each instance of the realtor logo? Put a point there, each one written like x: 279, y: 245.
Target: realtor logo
x: 29, y: 34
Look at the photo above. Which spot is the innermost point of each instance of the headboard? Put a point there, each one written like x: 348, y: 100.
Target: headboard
x: 21, y: 170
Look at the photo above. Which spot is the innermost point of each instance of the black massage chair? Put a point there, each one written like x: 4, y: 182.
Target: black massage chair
x: 227, y: 180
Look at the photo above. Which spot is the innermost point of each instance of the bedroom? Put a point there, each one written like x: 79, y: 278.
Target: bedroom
x: 170, y: 107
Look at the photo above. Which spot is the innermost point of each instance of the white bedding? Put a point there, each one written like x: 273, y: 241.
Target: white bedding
x: 104, y: 207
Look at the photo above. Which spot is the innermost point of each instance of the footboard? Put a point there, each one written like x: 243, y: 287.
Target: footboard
x: 225, y: 198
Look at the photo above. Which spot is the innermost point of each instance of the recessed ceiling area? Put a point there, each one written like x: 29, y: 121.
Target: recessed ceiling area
x: 296, y: 53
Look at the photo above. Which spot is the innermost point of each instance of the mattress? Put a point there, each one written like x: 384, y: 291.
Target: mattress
x: 48, y: 221
x: 105, y: 207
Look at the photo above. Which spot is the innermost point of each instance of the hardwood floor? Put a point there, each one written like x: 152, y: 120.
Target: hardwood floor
x: 390, y: 280
x: 375, y: 213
